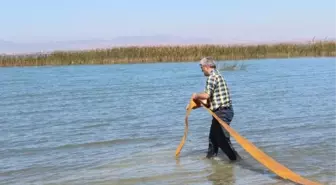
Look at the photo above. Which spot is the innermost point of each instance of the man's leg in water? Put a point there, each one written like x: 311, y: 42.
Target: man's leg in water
x: 213, y: 146
x: 222, y: 136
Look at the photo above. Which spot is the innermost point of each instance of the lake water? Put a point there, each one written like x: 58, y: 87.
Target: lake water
x: 121, y: 124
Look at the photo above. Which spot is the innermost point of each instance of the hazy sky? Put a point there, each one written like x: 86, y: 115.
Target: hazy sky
x: 252, y: 20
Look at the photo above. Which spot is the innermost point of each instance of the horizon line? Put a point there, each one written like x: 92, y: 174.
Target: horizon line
x: 313, y: 41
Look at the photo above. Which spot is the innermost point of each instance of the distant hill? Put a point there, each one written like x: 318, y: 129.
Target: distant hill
x: 7, y: 47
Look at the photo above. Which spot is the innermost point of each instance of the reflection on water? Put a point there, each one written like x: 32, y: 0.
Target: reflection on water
x: 221, y: 174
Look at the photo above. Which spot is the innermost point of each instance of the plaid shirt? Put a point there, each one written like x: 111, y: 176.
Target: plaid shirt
x: 218, y: 91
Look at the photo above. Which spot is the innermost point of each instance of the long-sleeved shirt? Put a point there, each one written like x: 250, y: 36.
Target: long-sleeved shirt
x: 216, y: 87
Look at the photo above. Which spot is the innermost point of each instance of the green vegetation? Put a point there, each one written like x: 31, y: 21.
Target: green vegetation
x: 124, y: 55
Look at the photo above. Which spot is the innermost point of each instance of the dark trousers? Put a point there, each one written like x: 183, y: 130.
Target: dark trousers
x: 219, y: 137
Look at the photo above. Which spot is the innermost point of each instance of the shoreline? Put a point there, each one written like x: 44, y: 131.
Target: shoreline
x: 157, y: 54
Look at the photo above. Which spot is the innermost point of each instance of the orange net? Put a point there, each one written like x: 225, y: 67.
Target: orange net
x: 255, y: 152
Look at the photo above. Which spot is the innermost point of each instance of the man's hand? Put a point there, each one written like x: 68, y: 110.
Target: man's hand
x: 194, y: 96
x: 199, y: 99
x: 198, y: 105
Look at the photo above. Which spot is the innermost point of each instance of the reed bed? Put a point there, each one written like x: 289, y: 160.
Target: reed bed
x: 149, y: 54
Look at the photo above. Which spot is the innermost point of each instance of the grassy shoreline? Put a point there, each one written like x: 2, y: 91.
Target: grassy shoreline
x: 150, y: 54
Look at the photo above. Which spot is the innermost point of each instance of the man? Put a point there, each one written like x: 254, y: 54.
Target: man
x: 216, y: 97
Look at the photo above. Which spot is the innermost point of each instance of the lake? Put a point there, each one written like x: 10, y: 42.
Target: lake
x: 121, y: 124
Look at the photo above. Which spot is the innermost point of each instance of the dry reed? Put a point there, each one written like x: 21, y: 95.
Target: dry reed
x: 125, y: 55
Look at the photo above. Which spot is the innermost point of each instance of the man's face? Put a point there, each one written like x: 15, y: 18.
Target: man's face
x: 205, y: 70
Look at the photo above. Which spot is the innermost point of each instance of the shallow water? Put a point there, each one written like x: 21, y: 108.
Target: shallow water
x: 121, y: 124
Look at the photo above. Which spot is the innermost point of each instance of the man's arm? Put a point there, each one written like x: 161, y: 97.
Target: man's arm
x: 209, y: 89
x: 200, y: 96
x: 199, y: 103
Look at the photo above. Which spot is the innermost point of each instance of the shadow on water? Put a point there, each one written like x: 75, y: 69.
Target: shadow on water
x: 223, y: 169
x: 258, y: 168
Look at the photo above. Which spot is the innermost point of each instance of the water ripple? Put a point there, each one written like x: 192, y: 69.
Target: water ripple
x: 121, y: 124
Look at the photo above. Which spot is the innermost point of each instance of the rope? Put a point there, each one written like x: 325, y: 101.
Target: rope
x: 256, y: 153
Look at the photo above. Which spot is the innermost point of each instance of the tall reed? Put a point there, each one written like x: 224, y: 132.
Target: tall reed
x: 134, y: 54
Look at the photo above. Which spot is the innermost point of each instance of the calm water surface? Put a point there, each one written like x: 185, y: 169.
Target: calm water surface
x: 121, y: 124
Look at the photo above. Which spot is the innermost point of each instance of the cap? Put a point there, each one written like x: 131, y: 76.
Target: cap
x: 208, y: 61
